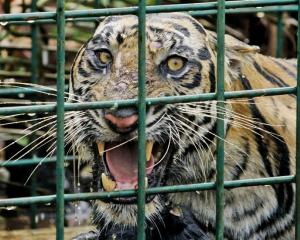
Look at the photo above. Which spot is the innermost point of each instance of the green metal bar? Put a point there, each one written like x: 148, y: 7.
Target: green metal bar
x: 280, y: 36
x: 33, y: 193
x: 288, y: 8
x: 149, y: 101
x: 297, y: 203
x: 35, y: 161
x: 97, y: 3
x: 12, y: 91
x: 142, y: 119
x: 34, y: 48
x: 34, y: 79
x: 152, y: 101
x: 60, y: 120
x: 149, y: 9
x: 220, y: 121
x: 150, y: 191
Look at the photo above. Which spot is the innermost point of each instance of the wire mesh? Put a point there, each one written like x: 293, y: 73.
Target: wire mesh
x: 220, y: 8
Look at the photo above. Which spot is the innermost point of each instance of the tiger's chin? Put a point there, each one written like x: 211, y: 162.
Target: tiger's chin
x: 125, y: 215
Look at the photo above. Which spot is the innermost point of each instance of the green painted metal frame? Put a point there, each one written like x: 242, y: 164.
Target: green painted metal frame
x: 141, y: 193
x: 220, y: 120
x: 34, y: 79
x: 60, y: 112
x: 220, y: 8
x: 297, y: 204
x: 280, y: 36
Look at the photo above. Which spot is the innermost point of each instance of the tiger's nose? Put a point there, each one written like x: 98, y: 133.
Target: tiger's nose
x: 122, y: 120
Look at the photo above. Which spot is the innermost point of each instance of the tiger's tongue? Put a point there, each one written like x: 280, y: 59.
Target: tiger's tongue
x: 122, y: 162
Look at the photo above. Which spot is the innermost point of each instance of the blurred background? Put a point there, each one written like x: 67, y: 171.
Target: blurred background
x: 28, y: 60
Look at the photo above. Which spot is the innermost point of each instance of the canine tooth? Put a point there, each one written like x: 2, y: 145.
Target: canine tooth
x: 149, y: 147
x: 176, y: 211
x: 108, y: 184
x: 100, y: 148
x: 146, y: 182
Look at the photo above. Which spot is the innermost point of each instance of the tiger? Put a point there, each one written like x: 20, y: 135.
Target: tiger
x: 181, y: 59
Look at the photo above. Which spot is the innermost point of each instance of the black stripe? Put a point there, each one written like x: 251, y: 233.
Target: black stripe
x: 181, y: 29
x: 190, y: 117
x: 97, y: 40
x: 250, y: 212
x: 284, y: 229
x: 175, y: 37
x: 212, y: 77
x: 289, y: 72
x: 157, y: 109
x: 73, y: 65
x: 205, y: 142
x: 81, y: 70
x: 209, y: 136
x: 198, y: 26
x: 204, y: 54
x: 154, y: 122
x: 209, y: 227
x: 195, y: 83
x: 119, y: 38
x: 284, y: 192
x: 269, y: 76
x: 241, y: 167
x: 156, y: 29
x: 185, y: 50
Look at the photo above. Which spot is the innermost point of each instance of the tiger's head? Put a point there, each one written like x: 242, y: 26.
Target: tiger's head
x: 180, y: 60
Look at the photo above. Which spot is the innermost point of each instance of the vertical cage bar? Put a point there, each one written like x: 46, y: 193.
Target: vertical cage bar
x: 34, y: 47
x: 96, y: 3
x: 279, y: 35
x: 142, y: 115
x: 220, y: 121
x: 297, y: 215
x: 60, y: 68
x: 34, y: 79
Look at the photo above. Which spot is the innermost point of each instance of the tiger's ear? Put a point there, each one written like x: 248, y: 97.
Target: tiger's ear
x: 231, y: 44
x: 235, y: 51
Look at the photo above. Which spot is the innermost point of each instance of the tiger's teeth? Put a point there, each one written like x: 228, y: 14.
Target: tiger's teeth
x: 146, y: 182
x: 100, y: 148
x: 176, y: 212
x: 108, y: 184
x: 149, y: 146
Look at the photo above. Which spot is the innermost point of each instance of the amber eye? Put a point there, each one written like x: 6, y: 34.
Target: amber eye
x: 175, y: 63
x: 105, y: 57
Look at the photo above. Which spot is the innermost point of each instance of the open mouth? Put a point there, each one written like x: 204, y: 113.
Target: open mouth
x: 121, y: 166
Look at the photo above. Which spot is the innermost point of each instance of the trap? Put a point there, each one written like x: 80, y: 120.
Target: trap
x: 60, y: 17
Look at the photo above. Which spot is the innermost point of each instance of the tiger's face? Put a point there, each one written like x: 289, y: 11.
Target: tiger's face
x: 179, y: 61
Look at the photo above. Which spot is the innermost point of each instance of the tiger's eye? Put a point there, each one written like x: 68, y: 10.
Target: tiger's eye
x: 175, y: 63
x: 105, y: 57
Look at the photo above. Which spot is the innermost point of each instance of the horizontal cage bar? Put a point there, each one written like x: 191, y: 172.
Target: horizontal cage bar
x: 166, y: 189
x: 149, y: 101
x: 280, y: 8
x: 149, y: 9
x: 32, y: 161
